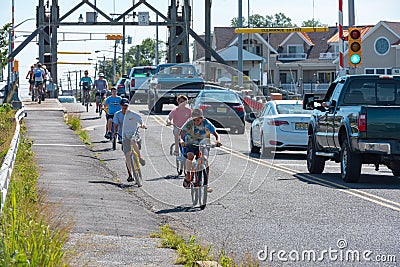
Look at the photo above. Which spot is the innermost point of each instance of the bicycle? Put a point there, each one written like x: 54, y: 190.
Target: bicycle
x: 39, y: 92
x: 135, y: 162
x: 86, y: 97
x: 199, y: 176
x: 179, y: 159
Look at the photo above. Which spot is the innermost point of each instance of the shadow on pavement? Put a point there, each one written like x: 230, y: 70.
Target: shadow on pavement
x: 120, y: 185
x: 90, y: 119
x: 179, y: 209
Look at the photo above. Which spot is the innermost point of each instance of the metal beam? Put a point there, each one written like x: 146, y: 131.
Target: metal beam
x: 205, y: 46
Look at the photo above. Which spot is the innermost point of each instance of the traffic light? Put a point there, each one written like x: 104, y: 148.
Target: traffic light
x: 355, y: 47
x: 114, y: 36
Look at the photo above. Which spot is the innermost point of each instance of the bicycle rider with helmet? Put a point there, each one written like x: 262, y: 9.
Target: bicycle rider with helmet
x: 86, y: 83
x: 100, y: 86
x: 193, y: 132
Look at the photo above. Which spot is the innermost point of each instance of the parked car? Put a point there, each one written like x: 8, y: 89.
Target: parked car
x: 223, y: 108
x: 282, y: 125
x: 121, y: 90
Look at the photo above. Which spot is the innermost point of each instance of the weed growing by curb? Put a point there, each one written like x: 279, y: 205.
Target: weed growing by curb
x: 190, y: 251
x: 74, y: 123
x: 32, y: 232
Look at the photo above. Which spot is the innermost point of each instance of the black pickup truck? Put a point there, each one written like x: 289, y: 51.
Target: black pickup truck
x: 357, y: 122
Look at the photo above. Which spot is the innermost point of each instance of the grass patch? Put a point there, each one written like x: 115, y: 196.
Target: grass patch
x: 32, y: 232
x: 7, y: 128
x: 190, y: 250
x: 74, y: 122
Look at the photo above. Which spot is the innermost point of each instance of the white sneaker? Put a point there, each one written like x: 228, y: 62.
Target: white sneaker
x: 209, y: 189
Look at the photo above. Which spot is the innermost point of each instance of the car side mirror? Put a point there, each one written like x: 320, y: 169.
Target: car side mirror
x: 308, y: 101
x: 251, y: 116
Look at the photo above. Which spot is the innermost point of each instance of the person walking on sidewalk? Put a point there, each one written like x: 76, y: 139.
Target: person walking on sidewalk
x: 179, y: 116
x: 112, y: 104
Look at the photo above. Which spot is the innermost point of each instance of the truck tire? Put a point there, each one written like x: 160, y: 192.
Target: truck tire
x: 395, y: 167
x: 315, y: 164
x: 158, y: 107
x: 350, y: 163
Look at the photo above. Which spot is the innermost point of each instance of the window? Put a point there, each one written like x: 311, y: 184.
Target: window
x: 295, y: 49
x: 382, y: 46
x: 326, y: 77
x: 379, y: 71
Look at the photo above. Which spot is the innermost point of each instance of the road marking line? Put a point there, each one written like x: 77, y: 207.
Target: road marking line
x: 308, y: 177
x: 356, y: 192
x: 66, y: 145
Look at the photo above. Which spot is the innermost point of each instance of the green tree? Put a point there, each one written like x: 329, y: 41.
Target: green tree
x: 4, y: 42
x: 147, y: 53
x: 311, y: 23
x: 235, y: 22
x: 280, y: 20
x: 257, y: 21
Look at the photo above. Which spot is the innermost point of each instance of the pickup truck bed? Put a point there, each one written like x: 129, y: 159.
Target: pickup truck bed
x: 170, y: 81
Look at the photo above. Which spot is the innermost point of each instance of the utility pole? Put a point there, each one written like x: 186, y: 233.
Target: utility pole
x: 114, y: 61
x: 123, y: 46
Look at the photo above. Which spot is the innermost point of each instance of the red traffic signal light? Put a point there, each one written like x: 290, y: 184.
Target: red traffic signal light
x: 355, y: 46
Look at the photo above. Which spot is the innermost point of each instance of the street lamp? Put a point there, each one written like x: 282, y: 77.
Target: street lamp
x: 80, y: 19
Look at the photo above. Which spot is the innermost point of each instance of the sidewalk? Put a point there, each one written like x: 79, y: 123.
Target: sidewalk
x: 111, y: 228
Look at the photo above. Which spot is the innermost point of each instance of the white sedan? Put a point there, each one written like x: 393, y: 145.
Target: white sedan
x: 282, y: 125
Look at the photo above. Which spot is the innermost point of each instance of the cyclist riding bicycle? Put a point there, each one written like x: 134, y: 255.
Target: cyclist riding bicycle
x: 179, y: 116
x: 86, y: 83
x: 129, y: 127
x: 40, y: 77
x: 112, y: 105
x: 31, y: 76
x: 119, y: 116
x: 193, y: 132
x: 100, y: 86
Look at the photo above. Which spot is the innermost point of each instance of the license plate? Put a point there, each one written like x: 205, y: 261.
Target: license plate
x: 221, y: 110
x: 301, y: 126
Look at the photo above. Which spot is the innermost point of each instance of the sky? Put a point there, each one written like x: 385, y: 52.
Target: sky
x: 367, y: 12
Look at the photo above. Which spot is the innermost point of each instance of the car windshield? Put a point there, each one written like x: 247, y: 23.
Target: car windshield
x: 220, y: 96
x: 291, y: 109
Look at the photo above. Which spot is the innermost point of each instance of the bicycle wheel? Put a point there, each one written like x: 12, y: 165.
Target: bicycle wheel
x: 137, y: 174
x: 114, y: 142
x: 203, y: 186
x: 40, y: 96
x: 100, y: 109
x: 194, y: 189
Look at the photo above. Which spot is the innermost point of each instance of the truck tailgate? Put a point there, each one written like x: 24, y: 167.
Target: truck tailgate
x: 383, y: 122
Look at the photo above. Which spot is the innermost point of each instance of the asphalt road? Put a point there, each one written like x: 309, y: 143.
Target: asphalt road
x: 260, y: 204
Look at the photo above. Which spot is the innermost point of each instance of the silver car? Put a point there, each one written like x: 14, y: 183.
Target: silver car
x: 282, y: 125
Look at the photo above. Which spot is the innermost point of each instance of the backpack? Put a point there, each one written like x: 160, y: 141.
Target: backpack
x: 38, y: 73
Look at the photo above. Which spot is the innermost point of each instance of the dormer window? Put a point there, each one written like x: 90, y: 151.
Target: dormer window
x: 295, y: 49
